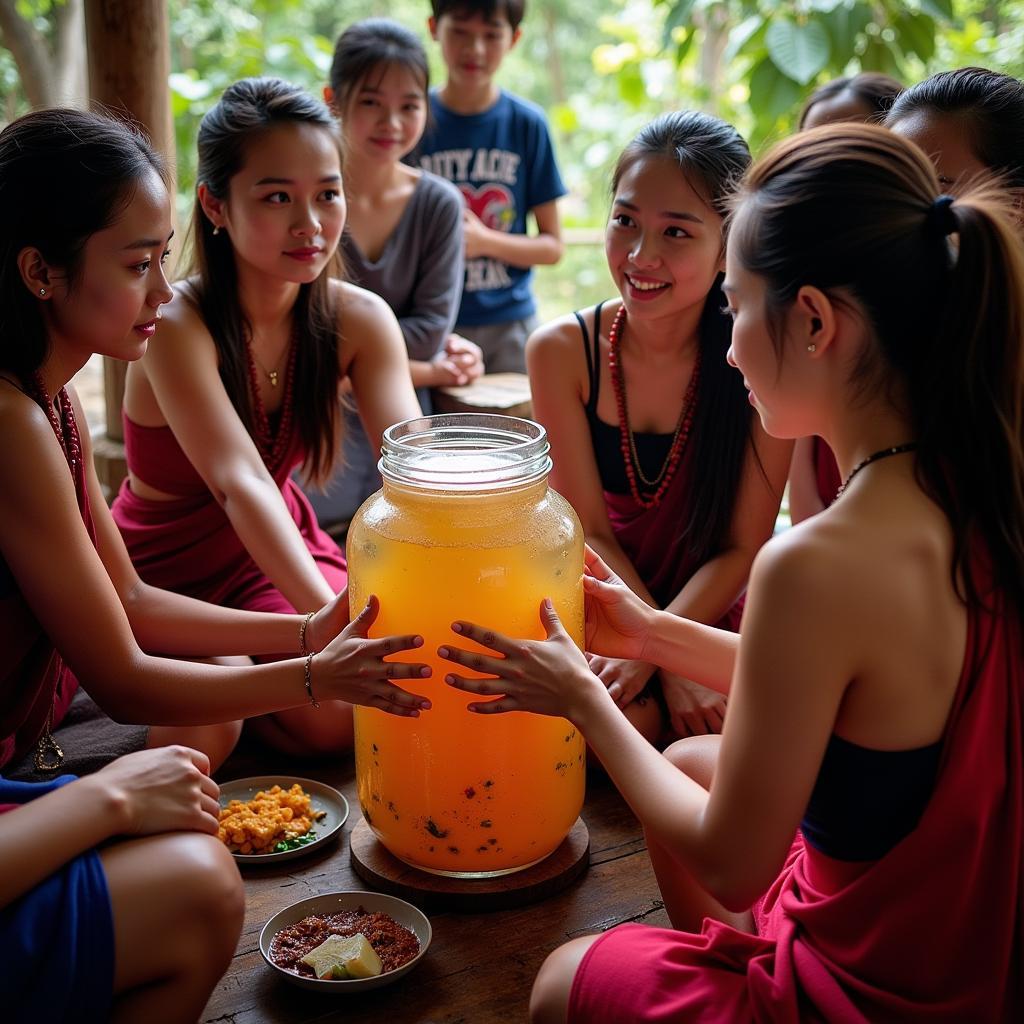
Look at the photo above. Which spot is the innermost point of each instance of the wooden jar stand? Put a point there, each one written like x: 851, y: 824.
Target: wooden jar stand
x: 386, y: 873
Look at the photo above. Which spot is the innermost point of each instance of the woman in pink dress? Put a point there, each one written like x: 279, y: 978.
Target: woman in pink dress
x: 85, y: 933
x: 877, y: 687
x: 241, y: 385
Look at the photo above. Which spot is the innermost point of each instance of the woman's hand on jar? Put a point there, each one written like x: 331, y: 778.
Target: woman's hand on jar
x: 693, y: 710
x: 618, y: 623
x: 328, y: 622
x: 352, y: 667
x: 166, y: 789
x: 548, y: 677
x: 623, y: 679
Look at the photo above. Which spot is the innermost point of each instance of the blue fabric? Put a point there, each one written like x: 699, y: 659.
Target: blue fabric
x: 865, y: 801
x: 57, y: 941
x: 504, y: 163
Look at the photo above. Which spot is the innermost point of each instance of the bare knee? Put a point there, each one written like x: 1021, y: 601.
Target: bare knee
x: 696, y: 756
x: 212, y: 893
x: 549, y: 1000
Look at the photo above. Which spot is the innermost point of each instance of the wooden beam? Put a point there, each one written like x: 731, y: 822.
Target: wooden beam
x: 128, y: 45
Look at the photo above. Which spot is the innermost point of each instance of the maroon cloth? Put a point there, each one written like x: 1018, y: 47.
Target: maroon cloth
x: 933, y: 931
x: 652, y: 538
x: 826, y: 472
x: 188, y: 544
x: 33, y: 676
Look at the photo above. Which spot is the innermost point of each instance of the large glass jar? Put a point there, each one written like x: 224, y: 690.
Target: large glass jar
x: 465, y: 527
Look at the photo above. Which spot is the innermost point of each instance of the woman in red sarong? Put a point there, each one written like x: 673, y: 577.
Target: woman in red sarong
x: 84, y: 932
x: 241, y: 385
x: 653, y: 441
x: 877, y: 688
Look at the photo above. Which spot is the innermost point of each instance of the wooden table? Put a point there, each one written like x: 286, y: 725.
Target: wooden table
x: 480, y: 968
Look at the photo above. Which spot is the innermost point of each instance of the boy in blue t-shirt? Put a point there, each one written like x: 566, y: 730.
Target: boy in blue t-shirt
x: 496, y: 148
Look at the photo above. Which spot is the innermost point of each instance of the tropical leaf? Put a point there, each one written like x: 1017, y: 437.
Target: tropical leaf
x: 772, y: 93
x: 798, y: 49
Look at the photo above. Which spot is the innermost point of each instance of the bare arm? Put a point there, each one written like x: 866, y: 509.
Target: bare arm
x: 181, y: 367
x: 785, y: 699
x: 524, y: 251
x: 375, y: 360
x: 559, y: 389
x: 58, y: 570
x: 151, y: 791
x: 715, y: 586
x: 167, y: 623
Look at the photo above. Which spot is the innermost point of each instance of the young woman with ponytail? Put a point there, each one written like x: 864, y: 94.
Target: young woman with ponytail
x: 877, y: 688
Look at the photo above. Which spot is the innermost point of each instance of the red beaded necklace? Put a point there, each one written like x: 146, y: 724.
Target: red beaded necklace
x: 629, y: 453
x: 64, y: 426
x: 272, y: 447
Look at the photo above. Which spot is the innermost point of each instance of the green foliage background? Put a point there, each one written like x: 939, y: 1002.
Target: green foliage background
x: 600, y: 68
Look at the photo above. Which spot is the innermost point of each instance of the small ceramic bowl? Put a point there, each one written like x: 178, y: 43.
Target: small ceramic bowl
x: 403, y: 913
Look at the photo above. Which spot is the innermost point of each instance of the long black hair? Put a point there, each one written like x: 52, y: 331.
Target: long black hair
x: 712, y: 156
x: 851, y: 209
x: 248, y: 109
x: 64, y: 175
x: 986, y: 105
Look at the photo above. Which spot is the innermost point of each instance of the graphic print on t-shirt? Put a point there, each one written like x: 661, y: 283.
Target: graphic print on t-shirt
x: 484, y: 177
x: 495, y: 206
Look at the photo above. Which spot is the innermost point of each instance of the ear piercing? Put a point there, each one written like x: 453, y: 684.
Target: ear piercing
x: 812, y: 347
x: 42, y: 292
x: 216, y: 229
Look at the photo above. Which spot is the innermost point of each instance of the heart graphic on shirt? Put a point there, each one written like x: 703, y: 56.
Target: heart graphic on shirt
x: 493, y: 204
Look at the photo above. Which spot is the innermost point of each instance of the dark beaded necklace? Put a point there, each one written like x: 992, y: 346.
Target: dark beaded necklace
x: 627, y: 443
x: 882, y: 453
x: 272, y: 447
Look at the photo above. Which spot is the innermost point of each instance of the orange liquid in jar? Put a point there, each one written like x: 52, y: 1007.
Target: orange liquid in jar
x: 451, y: 791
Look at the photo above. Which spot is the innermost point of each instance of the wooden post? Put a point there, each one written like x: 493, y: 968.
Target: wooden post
x: 128, y: 44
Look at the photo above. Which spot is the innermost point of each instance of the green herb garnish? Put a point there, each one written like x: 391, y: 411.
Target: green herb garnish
x: 294, y: 844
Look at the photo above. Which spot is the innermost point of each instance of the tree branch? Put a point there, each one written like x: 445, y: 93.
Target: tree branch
x: 30, y: 53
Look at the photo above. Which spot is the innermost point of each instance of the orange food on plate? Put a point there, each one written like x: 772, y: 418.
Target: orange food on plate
x: 272, y: 815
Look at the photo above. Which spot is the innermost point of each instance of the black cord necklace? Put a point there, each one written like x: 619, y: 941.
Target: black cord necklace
x: 882, y: 453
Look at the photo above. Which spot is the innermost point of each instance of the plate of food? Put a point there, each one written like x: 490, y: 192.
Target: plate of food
x: 272, y: 818
x: 345, y: 942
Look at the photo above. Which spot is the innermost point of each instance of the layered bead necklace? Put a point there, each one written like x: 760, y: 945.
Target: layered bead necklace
x: 272, y: 447
x: 49, y: 755
x: 660, y: 483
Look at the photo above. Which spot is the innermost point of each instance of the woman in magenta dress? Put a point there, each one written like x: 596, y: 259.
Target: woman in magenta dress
x: 241, y: 385
x: 877, y: 689
x: 85, y: 934
x: 653, y: 440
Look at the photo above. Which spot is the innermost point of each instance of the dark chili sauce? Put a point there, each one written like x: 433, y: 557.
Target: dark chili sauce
x: 392, y: 942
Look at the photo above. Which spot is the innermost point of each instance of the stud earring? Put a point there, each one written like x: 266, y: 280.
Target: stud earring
x: 42, y: 292
x: 216, y: 230
x: 812, y: 347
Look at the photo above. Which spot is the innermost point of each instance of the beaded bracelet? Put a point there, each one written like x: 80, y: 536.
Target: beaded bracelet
x: 303, y: 650
x: 309, y: 680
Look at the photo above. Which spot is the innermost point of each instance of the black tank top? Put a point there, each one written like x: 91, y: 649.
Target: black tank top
x: 651, y: 449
